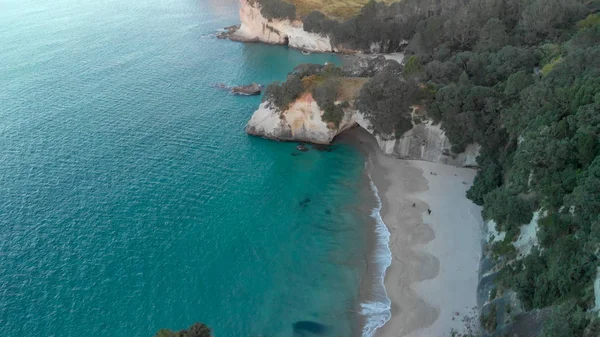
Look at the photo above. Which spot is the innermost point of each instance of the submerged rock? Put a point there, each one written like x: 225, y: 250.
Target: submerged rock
x: 302, y: 147
x: 248, y: 90
x: 309, y: 326
x: 322, y: 147
x: 304, y: 203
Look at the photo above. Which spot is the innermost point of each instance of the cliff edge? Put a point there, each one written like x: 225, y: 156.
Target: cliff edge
x: 256, y: 28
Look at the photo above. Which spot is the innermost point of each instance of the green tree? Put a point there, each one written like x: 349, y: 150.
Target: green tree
x: 412, y: 67
x: 566, y: 320
x: 277, y: 9
x: 385, y: 101
x: 508, y: 210
x: 492, y: 36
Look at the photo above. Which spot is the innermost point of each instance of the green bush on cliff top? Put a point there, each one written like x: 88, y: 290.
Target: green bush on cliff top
x: 277, y: 9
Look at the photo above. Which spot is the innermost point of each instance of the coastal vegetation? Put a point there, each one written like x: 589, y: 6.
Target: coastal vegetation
x: 325, y: 84
x: 337, y: 9
x: 521, y: 78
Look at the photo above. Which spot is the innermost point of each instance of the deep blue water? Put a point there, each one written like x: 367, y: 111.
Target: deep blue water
x: 130, y: 197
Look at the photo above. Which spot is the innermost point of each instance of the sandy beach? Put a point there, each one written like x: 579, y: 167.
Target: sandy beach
x: 432, y: 280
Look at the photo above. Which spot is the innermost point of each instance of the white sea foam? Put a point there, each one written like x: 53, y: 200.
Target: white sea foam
x: 378, y: 311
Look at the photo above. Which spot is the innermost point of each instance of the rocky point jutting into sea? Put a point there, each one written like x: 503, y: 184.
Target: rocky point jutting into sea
x: 302, y: 120
x: 255, y: 27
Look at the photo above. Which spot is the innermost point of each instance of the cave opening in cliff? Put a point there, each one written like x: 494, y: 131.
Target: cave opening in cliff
x: 286, y: 41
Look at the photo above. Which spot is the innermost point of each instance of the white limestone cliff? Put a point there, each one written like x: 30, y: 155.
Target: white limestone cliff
x: 256, y: 28
x: 302, y: 122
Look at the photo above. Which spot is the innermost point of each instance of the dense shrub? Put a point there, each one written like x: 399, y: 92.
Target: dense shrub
x: 283, y: 94
x: 317, y: 22
x: 509, y: 211
x: 326, y: 94
x: 385, y: 101
x: 277, y: 9
x: 545, y: 278
x: 489, y: 321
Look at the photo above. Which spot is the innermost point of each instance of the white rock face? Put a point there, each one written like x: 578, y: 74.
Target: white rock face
x: 302, y: 122
x: 528, y: 235
x: 255, y: 27
x: 426, y: 142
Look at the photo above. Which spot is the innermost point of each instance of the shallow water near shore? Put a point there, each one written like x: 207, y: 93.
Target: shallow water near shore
x: 131, y: 198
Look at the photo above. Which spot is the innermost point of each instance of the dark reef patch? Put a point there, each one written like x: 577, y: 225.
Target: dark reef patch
x: 322, y: 147
x: 309, y: 326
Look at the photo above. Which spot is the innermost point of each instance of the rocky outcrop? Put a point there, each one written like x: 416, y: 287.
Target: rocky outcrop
x: 256, y: 28
x: 302, y: 121
x: 425, y: 141
x: 247, y: 90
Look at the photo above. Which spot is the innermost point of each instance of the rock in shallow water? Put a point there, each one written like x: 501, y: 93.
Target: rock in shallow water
x: 248, y: 90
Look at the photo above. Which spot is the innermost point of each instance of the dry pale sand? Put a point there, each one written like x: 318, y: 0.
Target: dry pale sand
x: 432, y: 281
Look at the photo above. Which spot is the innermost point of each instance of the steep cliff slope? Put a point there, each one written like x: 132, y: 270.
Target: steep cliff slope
x: 303, y: 118
x: 256, y: 28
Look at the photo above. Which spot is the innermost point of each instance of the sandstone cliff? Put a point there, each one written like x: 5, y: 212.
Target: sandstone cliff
x: 302, y: 121
x: 256, y: 28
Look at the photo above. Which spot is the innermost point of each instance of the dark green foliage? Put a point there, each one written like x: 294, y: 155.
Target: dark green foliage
x: 562, y: 271
x: 587, y: 148
x: 509, y: 211
x: 326, y: 94
x: 322, y: 81
x: 555, y: 226
x: 283, y: 94
x: 336, y: 114
x: 196, y: 330
x: 385, y: 101
x: 542, y: 19
x: 492, y: 36
x: 488, y: 178
x: 489, y: 321
x: 316, y: 22
x: 505, y: 248
x: 468, y: 114
x: 516, y: 83
x: 412, y: 67
x: 442, y: 72
x: 277, y: 9
x: 585, y: 197
x: 568, y: 320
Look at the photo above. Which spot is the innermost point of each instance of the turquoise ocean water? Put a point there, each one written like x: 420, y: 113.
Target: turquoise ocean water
x: 130, y: 197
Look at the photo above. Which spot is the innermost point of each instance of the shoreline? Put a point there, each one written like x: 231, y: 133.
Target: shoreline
x: 430, y: 253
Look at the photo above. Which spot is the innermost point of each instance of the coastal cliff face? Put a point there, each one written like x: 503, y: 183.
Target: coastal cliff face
x: 256, y: 28
x: 302, y: 121
x: 425, y: 141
